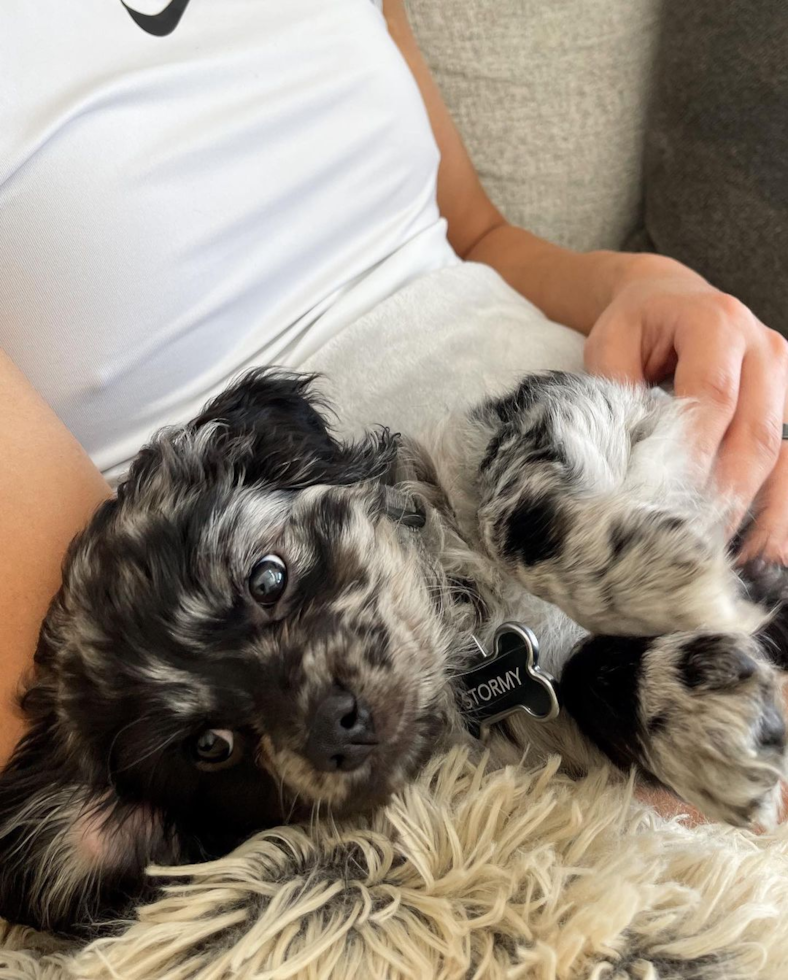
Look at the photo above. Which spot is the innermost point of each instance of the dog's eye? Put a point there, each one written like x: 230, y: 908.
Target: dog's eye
x: 268, y: 580
x: 407, y: 517
x: 214, y: 745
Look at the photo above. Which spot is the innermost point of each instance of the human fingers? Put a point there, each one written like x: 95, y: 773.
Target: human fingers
x: 708, y: 371
x: 613, y: 349
x: 768, y: 536
x: 752, y: 446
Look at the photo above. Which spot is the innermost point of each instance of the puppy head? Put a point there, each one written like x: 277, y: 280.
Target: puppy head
x: 247, y: 629
x: 245, y: 632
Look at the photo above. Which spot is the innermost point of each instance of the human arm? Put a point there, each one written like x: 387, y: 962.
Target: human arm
x: 646, y: 316
x: 48, y: 490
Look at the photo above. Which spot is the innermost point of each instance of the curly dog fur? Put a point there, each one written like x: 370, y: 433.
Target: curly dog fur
x: 266, y: 621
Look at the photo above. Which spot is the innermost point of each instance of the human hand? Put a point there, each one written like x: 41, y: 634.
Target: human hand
x: 665, y: 319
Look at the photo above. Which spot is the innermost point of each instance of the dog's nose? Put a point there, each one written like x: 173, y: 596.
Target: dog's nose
x: 341, y: 735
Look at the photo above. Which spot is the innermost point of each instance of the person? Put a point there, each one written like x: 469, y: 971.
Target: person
x: 192, y: 188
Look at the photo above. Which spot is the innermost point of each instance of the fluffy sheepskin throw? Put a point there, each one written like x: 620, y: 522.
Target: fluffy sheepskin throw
x: 471, y: 873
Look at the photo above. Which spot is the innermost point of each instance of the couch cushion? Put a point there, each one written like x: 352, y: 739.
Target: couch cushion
x: 550, y: 98
x: 717, y: 152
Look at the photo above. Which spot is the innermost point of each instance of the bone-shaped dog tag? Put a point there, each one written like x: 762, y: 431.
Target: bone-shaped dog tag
x: 509, y: 680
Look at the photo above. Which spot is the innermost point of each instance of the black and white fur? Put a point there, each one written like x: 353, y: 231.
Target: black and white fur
x: 570, y: 505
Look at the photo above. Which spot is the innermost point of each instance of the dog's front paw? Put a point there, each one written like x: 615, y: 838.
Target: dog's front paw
x: 713, y: 726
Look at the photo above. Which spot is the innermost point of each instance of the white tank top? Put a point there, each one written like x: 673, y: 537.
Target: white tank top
x: 182, y: 197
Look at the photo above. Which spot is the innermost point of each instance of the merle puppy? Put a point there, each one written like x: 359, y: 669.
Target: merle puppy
x: 266, y: 619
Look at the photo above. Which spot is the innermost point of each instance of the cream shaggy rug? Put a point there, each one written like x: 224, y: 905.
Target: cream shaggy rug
x: 471, y: 873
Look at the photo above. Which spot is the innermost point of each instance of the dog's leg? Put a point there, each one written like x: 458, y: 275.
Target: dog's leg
x: 700, y: 712
x: 584, y: 493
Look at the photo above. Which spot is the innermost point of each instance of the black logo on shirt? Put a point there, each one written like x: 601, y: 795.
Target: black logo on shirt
x: 161, y: 24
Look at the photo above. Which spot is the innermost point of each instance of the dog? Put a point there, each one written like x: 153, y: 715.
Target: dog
x: 266, y: 620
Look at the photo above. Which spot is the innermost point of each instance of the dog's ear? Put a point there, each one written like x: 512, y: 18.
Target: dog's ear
x: 268, y: 423
x: 277, y: 422
x: 268, y: 428
x: 71, y: 855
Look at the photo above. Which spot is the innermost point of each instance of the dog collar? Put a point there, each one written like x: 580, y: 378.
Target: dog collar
x: 507, y: 681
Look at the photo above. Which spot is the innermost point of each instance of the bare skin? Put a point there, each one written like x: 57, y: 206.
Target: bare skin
x: 645, y: 316
x: 48, y: 490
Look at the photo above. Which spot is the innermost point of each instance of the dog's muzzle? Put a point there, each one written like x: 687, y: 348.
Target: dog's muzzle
x: 341, y: 733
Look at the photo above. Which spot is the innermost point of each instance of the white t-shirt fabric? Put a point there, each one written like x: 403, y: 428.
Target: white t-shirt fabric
x: 176, y: 207
x: 438, y: 346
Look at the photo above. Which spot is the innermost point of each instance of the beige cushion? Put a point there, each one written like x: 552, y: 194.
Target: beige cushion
x: 550, y: 96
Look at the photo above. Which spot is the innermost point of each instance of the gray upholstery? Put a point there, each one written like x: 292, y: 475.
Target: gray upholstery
x: 550, y: 96
x: 717, y: 150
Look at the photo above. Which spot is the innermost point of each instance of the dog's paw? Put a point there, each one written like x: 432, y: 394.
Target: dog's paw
x: 669, y: 573
x: 624, y: 569
x: 713, y: 724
